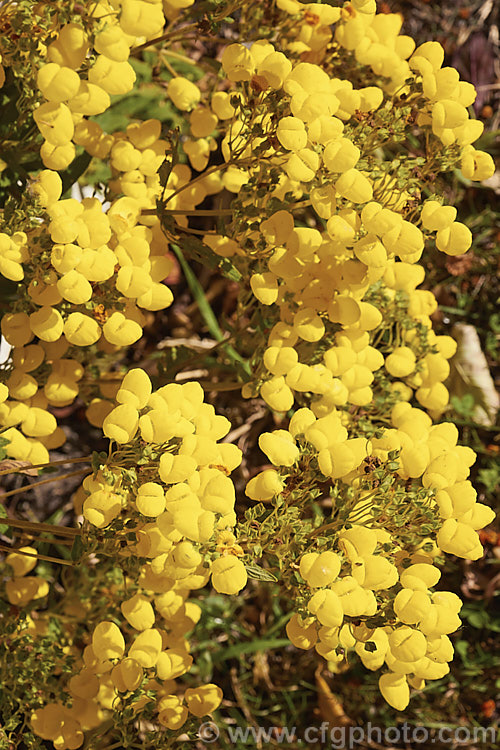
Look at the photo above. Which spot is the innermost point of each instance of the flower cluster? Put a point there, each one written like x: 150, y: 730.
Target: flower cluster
x: 180, y: 508
x: 89, y: 276
x: 76, y: 84
x: 317, y: 145
x: 298, y: 146
x: 370, y: 573
x: 22, y: 588
x: 87, y: 273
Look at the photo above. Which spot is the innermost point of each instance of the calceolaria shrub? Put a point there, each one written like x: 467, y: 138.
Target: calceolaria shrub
x: 313, y: 140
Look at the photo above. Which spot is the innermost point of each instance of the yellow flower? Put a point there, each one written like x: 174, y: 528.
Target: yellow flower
x: 420, y: 577
x: 55, y: 123
x: 407, y: 644
x: 120, y: 330
x: 274, y: 68
x: 183, y: 93
x: 303, y: 635
x: 436, y: 217
x: 74, y: 287
x: 374, y: 656
x: 121, y: 423
x: 308, y: 325
x: 291, y: 133
x: 38, y: 423
x: 202, y: 122
x: 319, y: 569
x: 264, y: 486
x: 229, y: 575
x: 279, y: 446
x: 203, y: 700
x: 139, y: 18
x: 113, y: 43
x: 135, y: 389
x: 57, y: 84
x: 277, y: 394
x: 173, y: 663
x: 108, y: 641
x: 302, y: 165
x: 327, y: 606
x: 395, y: 690
x: 71, y: 46
x: 138, y: 612
x: 458, y: 538
x: 354, y: 599
x: 146, y: 647
x: 150, y: 499
x: 341, y: 155
x: 47, y: 324
x: 131, y: 673
x: 21, y: 591
x: 237, y: 63
x: 171, y: 713
x: 354, y: 186
x: 22, y: 564
x: 455, y: 239
x: 400, y: 362
x: 101, y: 507
x: 81, y: 330
x: 112, y: 76
x: 374, y: 572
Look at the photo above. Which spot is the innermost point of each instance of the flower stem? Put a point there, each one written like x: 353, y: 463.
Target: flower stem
x: 37, y: 527
x: 48, y: 558
x: 20, y: 469
x: 44, y: 481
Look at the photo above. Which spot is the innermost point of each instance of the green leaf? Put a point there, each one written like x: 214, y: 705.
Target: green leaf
x: 75, y: 170
x: 477, y: 619
x: 143, y: 70
x: 251, y: 647
x: 205, y: 309
x: 259, y: 574
x: 199, y: 295
x: 229, y: 270
x: 77, y: 549
x: 3, y: 514
x: 3, y: 444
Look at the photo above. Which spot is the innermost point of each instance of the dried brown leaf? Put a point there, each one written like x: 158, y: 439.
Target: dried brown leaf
x: 9, y: 465
x: 330, y: 707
